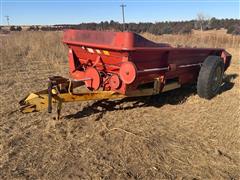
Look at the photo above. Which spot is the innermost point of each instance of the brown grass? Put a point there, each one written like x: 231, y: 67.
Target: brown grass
x: 208, y: 39
x: 175, y: 135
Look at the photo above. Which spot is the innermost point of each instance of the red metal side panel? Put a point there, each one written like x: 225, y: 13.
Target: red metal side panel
x: 107, y: 51
x: 108, y: 40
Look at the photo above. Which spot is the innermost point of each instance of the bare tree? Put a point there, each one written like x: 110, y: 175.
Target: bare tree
x: 203, y: 21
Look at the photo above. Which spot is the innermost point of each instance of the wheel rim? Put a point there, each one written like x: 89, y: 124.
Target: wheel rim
x: 217, y: 78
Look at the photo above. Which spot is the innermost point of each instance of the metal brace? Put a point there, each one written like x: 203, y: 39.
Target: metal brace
x: 156, y: 88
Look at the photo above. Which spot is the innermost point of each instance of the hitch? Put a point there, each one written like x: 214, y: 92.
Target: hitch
x: 60, y: 90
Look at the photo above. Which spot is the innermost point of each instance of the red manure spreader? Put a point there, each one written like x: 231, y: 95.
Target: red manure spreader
x: 115, y: 65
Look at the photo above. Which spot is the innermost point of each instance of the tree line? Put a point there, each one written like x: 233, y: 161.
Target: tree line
x: 158, y: 28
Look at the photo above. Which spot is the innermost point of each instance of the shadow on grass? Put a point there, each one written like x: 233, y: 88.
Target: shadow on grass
x: 227, y: 82
x: 174, y: 97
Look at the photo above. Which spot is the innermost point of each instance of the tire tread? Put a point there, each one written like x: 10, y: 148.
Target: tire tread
x: 204, y: 88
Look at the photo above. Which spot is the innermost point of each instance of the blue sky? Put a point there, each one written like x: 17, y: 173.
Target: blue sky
x: 44, y: 12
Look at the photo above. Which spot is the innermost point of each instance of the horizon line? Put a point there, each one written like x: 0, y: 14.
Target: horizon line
x: 98, y: 22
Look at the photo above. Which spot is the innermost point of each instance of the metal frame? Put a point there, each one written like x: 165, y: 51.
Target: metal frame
x: 41, y: 100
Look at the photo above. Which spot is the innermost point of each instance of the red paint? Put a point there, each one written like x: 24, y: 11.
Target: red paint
x: 115, y: 82
x: 128, y: 72
x: 131, y: 57
x: 93, y: 81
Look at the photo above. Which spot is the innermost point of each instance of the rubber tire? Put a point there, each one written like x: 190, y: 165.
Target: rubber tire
x: 206, y: 77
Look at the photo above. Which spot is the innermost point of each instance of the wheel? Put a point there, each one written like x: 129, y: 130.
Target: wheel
x: 210, y: 77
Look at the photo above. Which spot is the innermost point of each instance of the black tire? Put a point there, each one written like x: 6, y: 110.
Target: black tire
x: 210, y: 77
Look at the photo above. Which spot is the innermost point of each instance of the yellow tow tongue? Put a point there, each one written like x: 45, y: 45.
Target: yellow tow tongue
x: 38, y: 101
x: 41, y: 100
x: 34, y: 102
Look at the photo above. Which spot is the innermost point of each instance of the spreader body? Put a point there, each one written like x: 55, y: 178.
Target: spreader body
x: 125, y: 61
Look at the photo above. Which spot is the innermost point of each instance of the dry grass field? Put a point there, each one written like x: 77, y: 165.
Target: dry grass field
x: 175, y: 135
